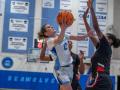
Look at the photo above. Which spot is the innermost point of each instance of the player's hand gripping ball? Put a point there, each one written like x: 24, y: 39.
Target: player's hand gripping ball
x: 65, y: 17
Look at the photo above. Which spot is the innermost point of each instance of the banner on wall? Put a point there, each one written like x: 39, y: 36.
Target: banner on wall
x: 81, y: 27
x: 20, y: 7
x: 17, y: 43
x: 48, y: 3
x: 101, y: 8
x: 82, y: 5
x: 102, y: 21
x: 50, y: 9
x: 18, y: 27
x: 27, y: 80
x: 16, y: 73
x: 83, y: 45
x: 66, y: 4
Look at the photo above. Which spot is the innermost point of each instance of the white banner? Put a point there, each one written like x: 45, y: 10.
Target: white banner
x: 20, y: 64
x: 20, y: 7
x: 18, y: 25
x: 83, y: 5
x: 102, y: 21
x: 84, y: 44
x: 48, y: 3
x: 66, y: 4
x: 17, y: 43
x: 101, y: 6
x: 81, y: 26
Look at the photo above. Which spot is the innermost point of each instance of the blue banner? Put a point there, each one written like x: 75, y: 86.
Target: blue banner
x: 27, y: 80
x: 50, y: 10
x: 18, y: 26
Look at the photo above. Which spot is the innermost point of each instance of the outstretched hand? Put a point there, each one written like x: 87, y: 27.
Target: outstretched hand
x: 89, y: 3
x: 63, y: 26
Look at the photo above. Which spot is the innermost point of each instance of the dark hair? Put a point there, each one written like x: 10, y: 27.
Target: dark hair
x: 41, y: 33
x: 116, y: 41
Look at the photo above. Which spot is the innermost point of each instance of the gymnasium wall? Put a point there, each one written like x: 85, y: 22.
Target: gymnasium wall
x: 112, y: 5
x: 112, y: 20
x: 37, y: 21
x: 36, y: 24
x: 116, y: 26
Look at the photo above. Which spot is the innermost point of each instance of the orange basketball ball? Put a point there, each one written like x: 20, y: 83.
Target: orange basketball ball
x: 65, y: 17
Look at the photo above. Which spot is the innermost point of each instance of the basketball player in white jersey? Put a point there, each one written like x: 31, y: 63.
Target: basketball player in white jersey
x: 58, y: 44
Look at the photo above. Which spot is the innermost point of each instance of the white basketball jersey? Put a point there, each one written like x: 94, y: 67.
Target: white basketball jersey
x: 62, y: 51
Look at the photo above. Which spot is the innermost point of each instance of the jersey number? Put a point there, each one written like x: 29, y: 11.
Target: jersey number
x: 65, y: 46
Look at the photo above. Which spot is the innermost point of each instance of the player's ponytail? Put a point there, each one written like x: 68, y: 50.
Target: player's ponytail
x: 41, y: 33
x: 116, y: 41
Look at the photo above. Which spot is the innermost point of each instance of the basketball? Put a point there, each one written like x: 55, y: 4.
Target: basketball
x: 65, y: 17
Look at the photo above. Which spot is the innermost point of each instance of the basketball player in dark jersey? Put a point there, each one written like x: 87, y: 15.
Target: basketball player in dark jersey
x: 100, y: 79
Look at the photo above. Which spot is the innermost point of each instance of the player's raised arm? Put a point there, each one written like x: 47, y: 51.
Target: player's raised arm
x: 88, y: 28
x: 94, y: 20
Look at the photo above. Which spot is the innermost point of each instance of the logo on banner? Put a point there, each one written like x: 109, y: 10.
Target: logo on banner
x: 7, y: 62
